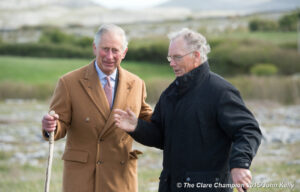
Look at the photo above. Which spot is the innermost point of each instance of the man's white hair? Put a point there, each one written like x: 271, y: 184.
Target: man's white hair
x: 194, y: 41
x: 110, y: 28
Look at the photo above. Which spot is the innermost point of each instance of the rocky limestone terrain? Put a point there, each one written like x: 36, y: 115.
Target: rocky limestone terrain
x: 278, y: 158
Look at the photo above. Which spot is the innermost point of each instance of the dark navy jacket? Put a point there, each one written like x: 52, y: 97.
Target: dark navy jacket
x: 204, y: 129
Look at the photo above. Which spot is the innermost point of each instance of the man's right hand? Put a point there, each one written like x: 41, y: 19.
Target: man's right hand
x: 125, y: 120
x: 49, y: 122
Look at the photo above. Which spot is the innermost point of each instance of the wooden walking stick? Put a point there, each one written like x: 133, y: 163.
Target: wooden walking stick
x: 50, y: 157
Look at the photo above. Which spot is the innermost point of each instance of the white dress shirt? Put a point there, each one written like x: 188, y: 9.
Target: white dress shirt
x: 102, y: 78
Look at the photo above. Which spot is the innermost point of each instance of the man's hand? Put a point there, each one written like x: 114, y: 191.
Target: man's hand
x: 125, y: 120
x: 242, y: 177
x: 49, y: 122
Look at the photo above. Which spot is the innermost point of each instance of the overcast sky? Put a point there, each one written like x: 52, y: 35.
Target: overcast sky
x: 129, y: 4
x: 140, y: 4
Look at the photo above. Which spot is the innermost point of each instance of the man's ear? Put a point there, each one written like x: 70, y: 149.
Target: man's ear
x: 197, y: 57
x: 94, y: 49
x: 124, y: 53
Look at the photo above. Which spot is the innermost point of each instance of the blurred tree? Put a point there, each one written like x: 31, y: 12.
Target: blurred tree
x: 264, y: 69
x: 55, y: 36
x: 262, y: 25
x: 84, y: 42
x: 298, y: 31
x: 289, y: 22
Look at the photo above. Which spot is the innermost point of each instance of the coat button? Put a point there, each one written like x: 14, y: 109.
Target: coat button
x: 188, y: 179
x: 99, y: 162
x: 87, y: 119
x: 101, y: 139
x: 247, y: 164
x: 217, y: 179
x: 122, y: 162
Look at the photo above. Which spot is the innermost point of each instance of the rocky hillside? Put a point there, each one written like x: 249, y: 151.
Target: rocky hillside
x: 235, y: 5
x: 17, y: 13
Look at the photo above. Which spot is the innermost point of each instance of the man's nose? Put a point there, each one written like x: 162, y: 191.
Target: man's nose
x: 109, y: 54
x: 172, y: 63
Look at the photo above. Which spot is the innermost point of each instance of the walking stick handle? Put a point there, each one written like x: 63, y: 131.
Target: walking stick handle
x: 50, y: 157
x: 51, y: 134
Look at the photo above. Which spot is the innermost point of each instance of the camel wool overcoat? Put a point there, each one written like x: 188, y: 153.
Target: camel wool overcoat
x: 98, y: 156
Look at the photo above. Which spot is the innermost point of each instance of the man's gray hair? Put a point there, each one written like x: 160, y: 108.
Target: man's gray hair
x: 110, y: 28
x: 194, y: 41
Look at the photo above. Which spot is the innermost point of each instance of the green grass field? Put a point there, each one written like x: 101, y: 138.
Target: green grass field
x: 47, y: 71
x: 35, y: 78
x: 28, y: 78
x: 273, y: 37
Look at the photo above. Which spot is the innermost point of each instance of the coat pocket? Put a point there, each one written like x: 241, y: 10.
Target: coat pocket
x: 134, y: 154
x: 75, y: 156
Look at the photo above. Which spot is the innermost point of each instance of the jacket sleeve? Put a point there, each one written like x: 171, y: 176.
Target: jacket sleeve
x: 242, y: 128
x: 150, y: 133
x: 146, y: 110
x: 61, y: 104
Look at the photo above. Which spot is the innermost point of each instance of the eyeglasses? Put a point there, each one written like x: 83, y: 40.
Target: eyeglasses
x: 177, y: 57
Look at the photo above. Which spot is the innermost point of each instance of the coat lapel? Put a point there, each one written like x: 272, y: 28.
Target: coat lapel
x: 91, y: 84
x: 124, y: 88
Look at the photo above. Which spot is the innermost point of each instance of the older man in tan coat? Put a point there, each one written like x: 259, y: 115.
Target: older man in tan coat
x: 98, y: 157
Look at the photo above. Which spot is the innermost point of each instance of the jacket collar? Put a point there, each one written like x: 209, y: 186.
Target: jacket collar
x: 191, y: 79
x: 91, y: 84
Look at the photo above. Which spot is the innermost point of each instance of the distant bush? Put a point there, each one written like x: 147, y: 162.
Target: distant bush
x: 52, y: 43
x: 263, y: 25
x: 263, y: 69
x: 15, y: 90
x: 228, y: 56
x: 46, y: 50
x: 281, y: 89
x: 55, y: 36
x: 84, y: 42
x: 289, y: 45
x: 237, y: 57
x: 155, y: 87
x: 289, y: 22
x: 148, y: 50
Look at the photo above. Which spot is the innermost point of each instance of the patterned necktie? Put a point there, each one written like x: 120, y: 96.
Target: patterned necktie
x: 108, y: 91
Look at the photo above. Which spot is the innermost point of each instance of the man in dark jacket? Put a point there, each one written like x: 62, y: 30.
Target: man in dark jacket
x: 201, y: 123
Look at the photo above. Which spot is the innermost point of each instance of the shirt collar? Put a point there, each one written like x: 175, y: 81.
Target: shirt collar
x: 103, y: 75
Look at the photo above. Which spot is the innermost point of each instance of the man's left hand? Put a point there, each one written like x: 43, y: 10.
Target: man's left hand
x: 242, y: 177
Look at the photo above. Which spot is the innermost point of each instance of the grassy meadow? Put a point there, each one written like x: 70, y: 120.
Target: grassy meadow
x: 273, y: 37
x: 35, y: 78
x: 29, y: 78
x: 29, y: 70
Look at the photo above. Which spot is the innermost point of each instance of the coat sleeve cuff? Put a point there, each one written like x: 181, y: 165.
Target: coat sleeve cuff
x: 46, y: 134
x: 241, y: 164
x: 137, y: 128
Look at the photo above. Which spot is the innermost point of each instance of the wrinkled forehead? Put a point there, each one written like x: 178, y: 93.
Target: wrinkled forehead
x: 178, y: 45
x: 111, y: 39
